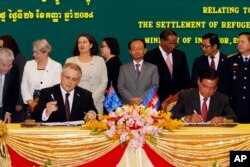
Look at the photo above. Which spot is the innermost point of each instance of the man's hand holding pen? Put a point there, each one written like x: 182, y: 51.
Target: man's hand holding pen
x: 51, y: 106
x: 195, y: 118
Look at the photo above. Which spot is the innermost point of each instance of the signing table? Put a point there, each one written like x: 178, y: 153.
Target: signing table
x: 76, y: 146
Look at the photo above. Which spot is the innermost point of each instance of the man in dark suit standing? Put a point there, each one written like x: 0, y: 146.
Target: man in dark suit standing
x: 65, y: 101
x: 172, y: 65
x: 137, y: 77
x: 9, y: 84
x: 204, y: 104
x: 212, y: 58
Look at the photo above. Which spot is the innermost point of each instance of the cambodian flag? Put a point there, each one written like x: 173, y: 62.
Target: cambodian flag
x: 152, y: 99
x: 112, y: 101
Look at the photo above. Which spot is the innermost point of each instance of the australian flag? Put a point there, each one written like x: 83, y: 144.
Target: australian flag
x: 112, y: 101
x: 152, y: 99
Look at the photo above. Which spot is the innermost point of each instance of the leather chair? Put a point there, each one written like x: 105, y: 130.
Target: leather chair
x: 168, y: 104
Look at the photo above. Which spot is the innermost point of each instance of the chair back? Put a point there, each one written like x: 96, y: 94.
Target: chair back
x: 169, y: 103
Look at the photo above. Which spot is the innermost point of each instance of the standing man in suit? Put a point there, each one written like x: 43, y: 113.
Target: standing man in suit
x: 240, y: 79
x: 9, y: 84
x: 212, y: 58
x: 172, y: 65
x: 204, y: 104
x: 65, y: 101
x: 137, y: 77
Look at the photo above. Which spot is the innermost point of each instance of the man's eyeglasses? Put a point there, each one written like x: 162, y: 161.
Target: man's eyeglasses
x: 137, y: 49
x: 205, y: 46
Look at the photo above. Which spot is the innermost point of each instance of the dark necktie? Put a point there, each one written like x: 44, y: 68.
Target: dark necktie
x: 204, y: 110
x: 67, y: 107
x: 137, y: 72
x: 245, y: 60
x: 212, y: 65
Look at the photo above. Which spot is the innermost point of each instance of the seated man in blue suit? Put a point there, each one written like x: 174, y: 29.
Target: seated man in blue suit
x: 204, y: 104
x: 65, y: 101
x: 137, y: 77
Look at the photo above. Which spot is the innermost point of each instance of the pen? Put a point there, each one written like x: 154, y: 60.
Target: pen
x: 195, y: 112
x: 52, y: 96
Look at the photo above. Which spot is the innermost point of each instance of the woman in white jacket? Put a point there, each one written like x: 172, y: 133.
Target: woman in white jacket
x: 94, y: 71
x: 39, y: 73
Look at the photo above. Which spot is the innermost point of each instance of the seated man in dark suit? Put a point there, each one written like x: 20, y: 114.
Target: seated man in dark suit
x: 204, y: 104
x: 65, y: 101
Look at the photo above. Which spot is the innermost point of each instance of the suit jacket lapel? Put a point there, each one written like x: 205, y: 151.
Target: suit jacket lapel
x: 131, y: 71
x: 206, y: 62
x: 5, y: 85
x: 76, y: 101
x: 196, y: 101
x: 162, y: 61
x: 57, y: 93
x: 221, y: 63
x: 212, y: 105
x: 143, y: 72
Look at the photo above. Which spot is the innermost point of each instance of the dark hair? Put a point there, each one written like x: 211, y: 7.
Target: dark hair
x: 213, y: 39
x: 113, y: 45
x: 210, y: 74
x: 137, y: 39
x: 93, y: 51
x: 245, y: 33
x: 10, y: 42
x: 166, y: 33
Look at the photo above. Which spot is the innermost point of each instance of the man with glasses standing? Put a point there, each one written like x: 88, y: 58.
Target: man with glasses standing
x: 137, y: 77
x: 212, y: 58
x: 204, y: 104
x: 172, y: 65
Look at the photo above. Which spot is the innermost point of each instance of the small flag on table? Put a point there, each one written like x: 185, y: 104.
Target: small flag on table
x: 112, y: 101
x: 152, y: 99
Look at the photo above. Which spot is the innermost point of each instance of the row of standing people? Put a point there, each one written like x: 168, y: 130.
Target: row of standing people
x: 233, y: 71
x: 173, y: 73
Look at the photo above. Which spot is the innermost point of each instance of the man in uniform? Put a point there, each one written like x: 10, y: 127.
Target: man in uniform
x: 240, y: 79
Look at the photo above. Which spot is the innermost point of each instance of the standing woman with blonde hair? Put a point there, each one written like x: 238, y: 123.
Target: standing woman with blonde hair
x: 94, y: 71
x: 42, y: 72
